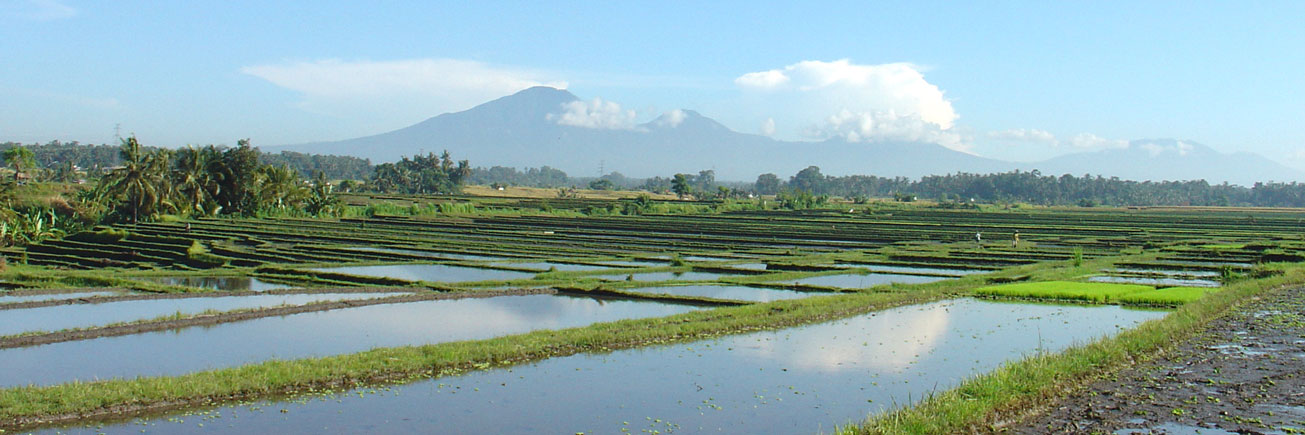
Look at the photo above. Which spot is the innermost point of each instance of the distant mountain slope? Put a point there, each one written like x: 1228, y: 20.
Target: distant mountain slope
x: 1171, y: 159
x: 521, y: 130
x: 516, y: 131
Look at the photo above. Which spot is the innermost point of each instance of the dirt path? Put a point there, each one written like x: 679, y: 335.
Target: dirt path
x: 1244, y: 374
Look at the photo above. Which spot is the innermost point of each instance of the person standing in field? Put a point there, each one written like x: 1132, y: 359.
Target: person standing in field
x: 978, y: 239
x: 1016, y: 242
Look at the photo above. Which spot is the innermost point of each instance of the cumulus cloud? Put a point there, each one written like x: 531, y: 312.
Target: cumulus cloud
x: 768, y: 127
x: 416, y: 87
x: 865, y: 103
x: 887, y: 126
x: 672, y: 118
x: 597, y: 114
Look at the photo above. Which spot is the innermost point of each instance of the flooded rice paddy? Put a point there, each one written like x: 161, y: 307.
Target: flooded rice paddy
x: 229, y: 283
x: 733, y: 292
x: 545, y: 265
x: 428, y: 254
x: 1163, y: 282
x: 803, y: 379
x: 60, y: 317
x: 311, y: 334
x: 862, y: 281
x: 664, y: 276
x: 910, y: 269
x: 9, y: 299
x: 430, y: 272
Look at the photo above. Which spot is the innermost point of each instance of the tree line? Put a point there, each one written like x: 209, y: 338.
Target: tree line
x: 1035, y: 188
x: 64, y: 159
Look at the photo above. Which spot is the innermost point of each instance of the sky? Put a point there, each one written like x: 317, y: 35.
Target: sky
x: 1014, y: 80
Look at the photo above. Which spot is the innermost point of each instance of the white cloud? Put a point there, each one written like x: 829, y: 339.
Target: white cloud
x: 672, y: 118
x: 887, y: 126
x: 768, y: 127
x: 1025, y: 135
x: 1078, y: 142
x: 1181, y: 148
x: 763, y: 79
x: 1089, y: 141
x: 383, y: 89
x: 864, y: 103
x: 40, y: 10
x: 597, y: 114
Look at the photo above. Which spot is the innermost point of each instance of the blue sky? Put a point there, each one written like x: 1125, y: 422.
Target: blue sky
x: 1012, y: 80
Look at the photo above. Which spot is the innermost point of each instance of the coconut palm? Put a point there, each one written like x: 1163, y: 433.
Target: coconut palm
x: 140, y: 181
x: 194, y: 179
x: 280, y: 187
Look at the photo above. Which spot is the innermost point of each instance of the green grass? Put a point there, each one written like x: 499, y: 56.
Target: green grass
x: 986, y: 402
x: 1171, y: 296
x: 1064, y: 290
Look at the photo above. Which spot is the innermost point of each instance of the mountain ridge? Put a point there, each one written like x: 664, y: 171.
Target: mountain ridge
x: 524, y: 130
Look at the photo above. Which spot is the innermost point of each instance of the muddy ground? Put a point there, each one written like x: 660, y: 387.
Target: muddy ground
x: 1245, y: 374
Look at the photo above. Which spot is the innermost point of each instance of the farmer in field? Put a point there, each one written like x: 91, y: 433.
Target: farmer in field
x: 978, y: 239
x: 1016, y: 242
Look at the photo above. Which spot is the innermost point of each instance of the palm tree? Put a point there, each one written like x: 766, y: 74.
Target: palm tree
x: 280, y: 187
x: 19, y: 157
x: 195, y: 181
x: 320, y: 199
x: 139, y: 181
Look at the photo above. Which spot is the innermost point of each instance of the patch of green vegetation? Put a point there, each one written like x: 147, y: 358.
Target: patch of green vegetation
x: 1171, y: 296
x: 1064, y: 290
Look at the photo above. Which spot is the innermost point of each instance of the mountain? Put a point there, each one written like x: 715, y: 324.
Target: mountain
x: 523, y: 130
x: 1171, y: 159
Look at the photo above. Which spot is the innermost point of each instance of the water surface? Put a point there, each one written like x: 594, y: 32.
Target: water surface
x: 862, y: 281
x: 545, y: 265
x: 664, y: 276
x: 911, y: 269
x: 798, y: 380
x: 216, y: 282
x: 732, y: 292
x: 429, y: 254
x: 1167, y: 282
x: 6, y: 299
x: 311, y: 334
x: 430, y: 272
x: 85, y: 315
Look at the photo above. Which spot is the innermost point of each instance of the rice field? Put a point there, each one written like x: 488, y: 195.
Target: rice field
x: 624, y: 282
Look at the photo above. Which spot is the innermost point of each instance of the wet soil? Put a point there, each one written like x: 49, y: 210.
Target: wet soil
x: 1244, y: 374
x: 219, y: 318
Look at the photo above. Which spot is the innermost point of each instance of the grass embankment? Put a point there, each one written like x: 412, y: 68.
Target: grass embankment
x: 30, y: 406
x: 987, y: 401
